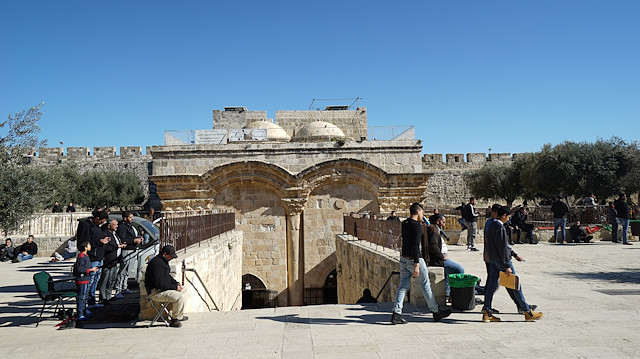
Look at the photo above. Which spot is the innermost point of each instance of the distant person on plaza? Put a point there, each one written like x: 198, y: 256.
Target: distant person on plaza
x: 438, y: 251
x: 622, y: 215
x: 413, y: 265
x: 461, y: 220
x: 69, y: 251
x: 56, y: 208
x: 367, y: 297
x: 560, y: 210
x: 590, y: 200
x: 499, y: 253
x: 519, y: 222
x: 7, y: 250
x: 393, y: 217
x: 82, y: 270
x: 161, y: 287
x: 613, y: 221
x: 578, y: 234
x: 27, y: 250
x: 128, y: 235
x: 471, y: 216
x: 112, y: 255
x: 71, y: 208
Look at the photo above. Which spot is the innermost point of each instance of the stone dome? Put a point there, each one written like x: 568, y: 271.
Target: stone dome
x: 274, y: 132
x: 319, y: 131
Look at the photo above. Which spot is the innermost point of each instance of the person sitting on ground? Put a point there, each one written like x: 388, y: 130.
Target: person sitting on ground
x: 578, y: 234
x: 519, y: 224
x: 81, y: 270
x: 161, y: 287
x: 367, y: 297
x: 69, y: 251
x: 7, y: 250
x: 27, y: 250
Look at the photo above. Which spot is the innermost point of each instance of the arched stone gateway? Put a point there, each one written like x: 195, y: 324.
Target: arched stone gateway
x: 290, y: 219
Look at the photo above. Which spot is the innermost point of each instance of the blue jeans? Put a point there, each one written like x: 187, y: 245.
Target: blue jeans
x: 451, y: 267
x: 94, y: 277
x: 624, y: 222
x: 562, y: 223
x: 406, y: 272
x: 492, y: 285
x: 22, y: 257
x: 81, y: 298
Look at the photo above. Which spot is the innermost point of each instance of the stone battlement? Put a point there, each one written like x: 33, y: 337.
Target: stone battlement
x: 84, y: 153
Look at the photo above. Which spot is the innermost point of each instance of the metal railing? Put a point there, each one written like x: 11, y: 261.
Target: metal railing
x: 182, y: 232
x: 193, y: 270
x: 384, y: 233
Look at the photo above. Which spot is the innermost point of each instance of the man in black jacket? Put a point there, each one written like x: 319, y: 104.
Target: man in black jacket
x: 622, y: 210
x: 560, y: 210
x: 27, y: 250
x: 129, y: 236
x: 413, y: 265
x: 112, y: 253
x: 161, y: 287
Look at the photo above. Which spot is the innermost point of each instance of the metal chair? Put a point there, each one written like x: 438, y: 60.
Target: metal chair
x: 50, y: 290
x: 159, y: 312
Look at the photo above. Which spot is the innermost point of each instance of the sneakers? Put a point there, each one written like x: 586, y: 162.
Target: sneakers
x: 59, y: 257
x: 472, y: 249
x: 126, y: 291
x: 118, y: 296
x: 531, y: 316
x: 488, y: 317
x: 628, y: 244
x: 443, y: 313
x: 397, y: 319
x: 531, y: 307
x: 82, y: 318
x: 175, y: 323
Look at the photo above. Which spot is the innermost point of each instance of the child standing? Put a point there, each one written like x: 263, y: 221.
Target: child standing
x: 81, y: 270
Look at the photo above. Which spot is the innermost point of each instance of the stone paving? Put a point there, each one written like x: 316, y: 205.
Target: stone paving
x: 579, y: 321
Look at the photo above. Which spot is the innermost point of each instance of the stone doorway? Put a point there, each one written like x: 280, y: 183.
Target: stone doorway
x: 330, y: 289
x: 255, y: 294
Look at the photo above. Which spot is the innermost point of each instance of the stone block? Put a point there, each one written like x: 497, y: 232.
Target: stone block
x: 438, y: 288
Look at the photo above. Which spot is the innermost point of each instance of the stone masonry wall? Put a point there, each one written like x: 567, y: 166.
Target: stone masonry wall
x: 218, y: 261
x: 391, y: 156
x: 362, y: 265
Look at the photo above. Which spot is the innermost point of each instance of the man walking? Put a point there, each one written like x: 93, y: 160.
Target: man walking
x: 413, y: 265
x: 471, y: 221
x: 499, y: 254
x: 560, y: 210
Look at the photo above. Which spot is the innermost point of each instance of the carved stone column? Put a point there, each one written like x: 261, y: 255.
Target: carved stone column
x: 295, y: 250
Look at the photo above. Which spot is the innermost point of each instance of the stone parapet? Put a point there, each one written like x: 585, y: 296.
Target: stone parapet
x: 218, y: 261
x: 50, y: 225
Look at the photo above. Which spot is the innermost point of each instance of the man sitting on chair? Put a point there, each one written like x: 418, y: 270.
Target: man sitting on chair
x: 161, y: 287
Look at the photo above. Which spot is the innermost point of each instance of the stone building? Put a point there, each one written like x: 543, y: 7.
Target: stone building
x: 290, y: 187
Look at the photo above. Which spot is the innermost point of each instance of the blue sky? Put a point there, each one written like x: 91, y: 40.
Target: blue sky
x: 470, y: 75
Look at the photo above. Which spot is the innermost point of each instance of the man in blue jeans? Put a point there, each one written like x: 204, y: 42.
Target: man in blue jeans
x: 413, y: 265
x: 27, y: 250
x: 497, y: 249
x: 560, y: 210
x: 622, y: 210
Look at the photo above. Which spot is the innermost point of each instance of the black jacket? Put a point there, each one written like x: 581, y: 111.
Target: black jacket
x: 90, y: 232
x: 158, y: 275
x: 29, y: 248
x: 126, y: 234
x: 110, y: 250
x: 496, y: 246
x: 559, y: 209
x: 411, y: 238
x: 621, y: 208
x: 434, y: 254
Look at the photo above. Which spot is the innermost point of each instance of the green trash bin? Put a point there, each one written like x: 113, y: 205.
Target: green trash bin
x: 463, y: 291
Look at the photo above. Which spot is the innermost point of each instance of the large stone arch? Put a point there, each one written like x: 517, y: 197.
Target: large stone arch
x: 239, y: 173
x: 346, y: 170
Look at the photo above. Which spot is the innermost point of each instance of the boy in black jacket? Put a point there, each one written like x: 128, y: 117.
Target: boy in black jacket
x: 81, y: 270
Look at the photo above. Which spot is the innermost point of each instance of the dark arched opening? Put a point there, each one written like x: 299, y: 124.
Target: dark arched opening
x: 330, y: 289
x: 255, y: 294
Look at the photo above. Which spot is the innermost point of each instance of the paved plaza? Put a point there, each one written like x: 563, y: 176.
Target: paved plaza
x: 568, y: 283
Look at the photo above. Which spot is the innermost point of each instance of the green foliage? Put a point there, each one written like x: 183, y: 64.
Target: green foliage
x: 22, y: 193
x: 603, y: 168
x: 109, y: 188
x: 19, y: 134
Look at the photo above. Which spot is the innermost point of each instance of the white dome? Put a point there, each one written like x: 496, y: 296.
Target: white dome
x: 274, y: 132
x: 319, y: 131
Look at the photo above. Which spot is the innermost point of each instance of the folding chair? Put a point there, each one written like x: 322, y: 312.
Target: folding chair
x: 50, y: 290
x: 159, y: 312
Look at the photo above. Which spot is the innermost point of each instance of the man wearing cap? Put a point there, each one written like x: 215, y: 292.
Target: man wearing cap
x: 161, y: 286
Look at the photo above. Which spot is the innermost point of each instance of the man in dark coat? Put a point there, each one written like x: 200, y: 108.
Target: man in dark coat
x: 161, y: 287
x: 89, y: 231
x: 622, y: 210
